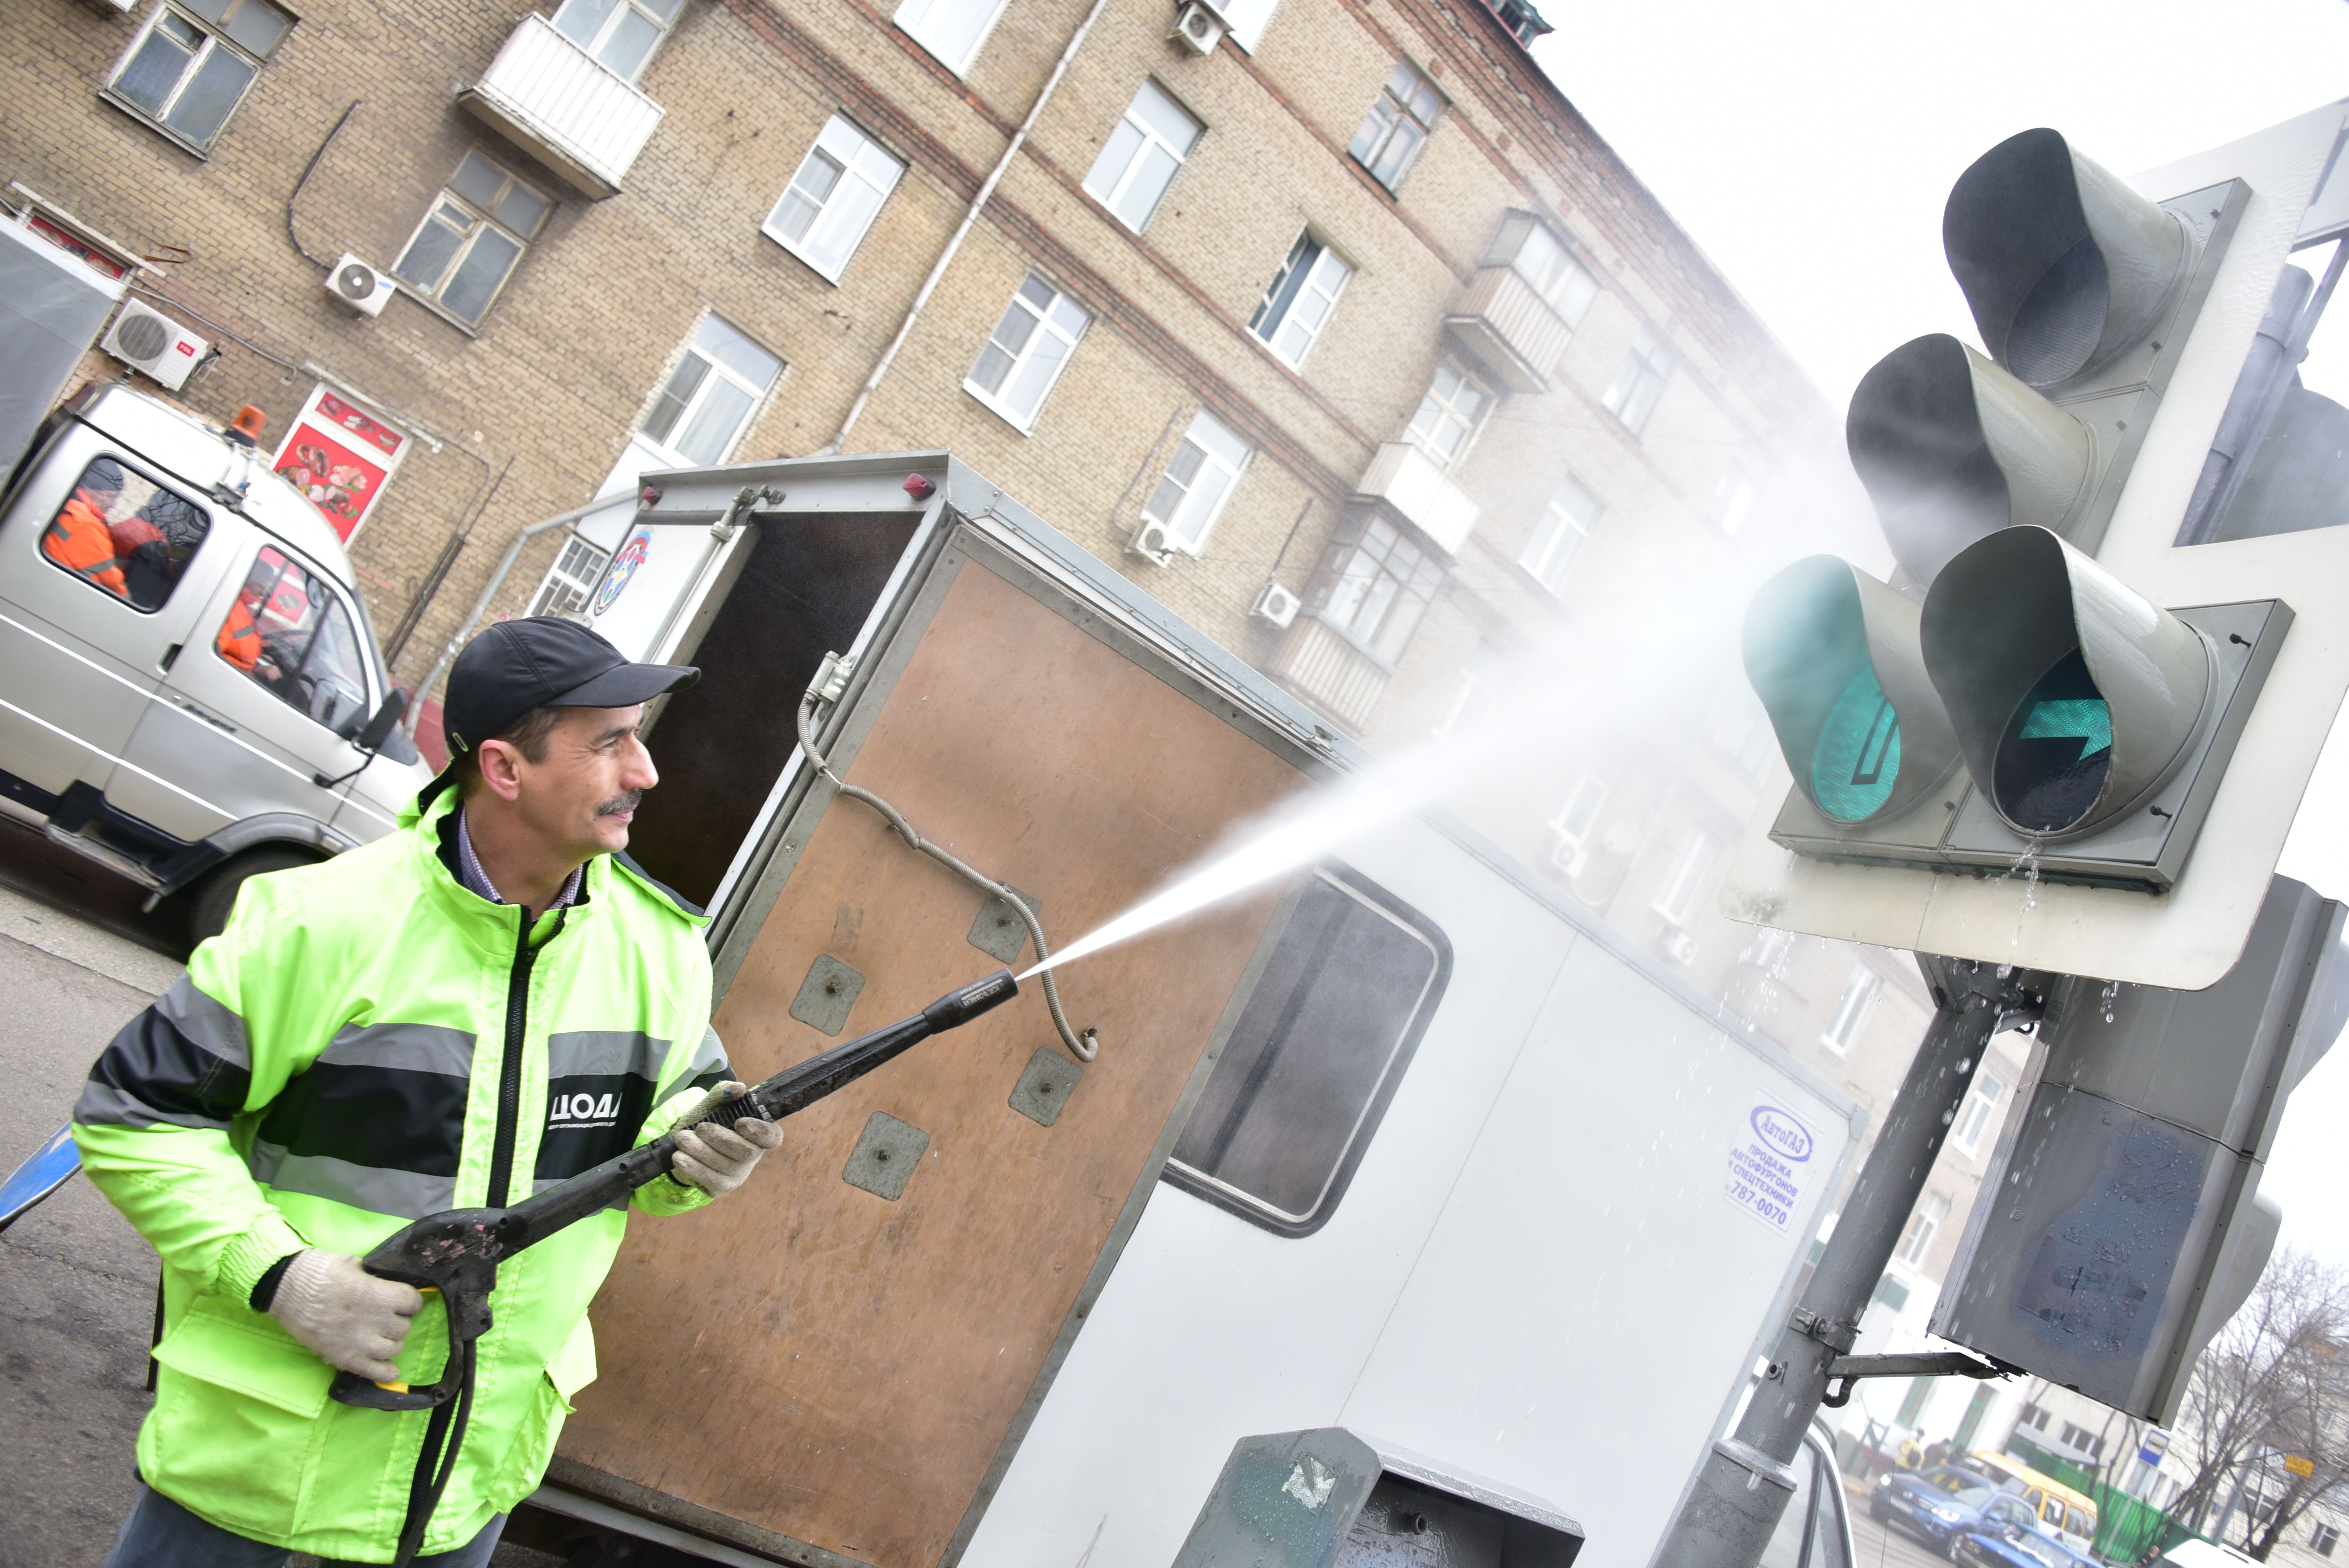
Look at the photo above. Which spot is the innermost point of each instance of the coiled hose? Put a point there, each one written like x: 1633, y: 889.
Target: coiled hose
x: 1085, y: 1046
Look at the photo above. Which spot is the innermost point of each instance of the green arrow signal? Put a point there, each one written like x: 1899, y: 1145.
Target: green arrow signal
x: 2057, y: 750
x: 1857, y: 756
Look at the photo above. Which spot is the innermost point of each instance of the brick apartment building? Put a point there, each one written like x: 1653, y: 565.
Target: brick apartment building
x: 1343, y: 334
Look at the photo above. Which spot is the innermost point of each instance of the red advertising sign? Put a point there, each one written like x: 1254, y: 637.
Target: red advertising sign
x: 340, y: 458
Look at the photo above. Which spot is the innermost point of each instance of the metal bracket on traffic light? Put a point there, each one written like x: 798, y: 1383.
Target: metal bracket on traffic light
x: 1845, y: 1371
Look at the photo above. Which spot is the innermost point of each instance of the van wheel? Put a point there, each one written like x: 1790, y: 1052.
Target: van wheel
x: 215, y: 896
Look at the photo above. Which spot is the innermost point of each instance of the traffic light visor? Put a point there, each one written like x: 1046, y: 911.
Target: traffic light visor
x: 2073, y: 698
x: 2064, y: 263
x: 1833, y: 656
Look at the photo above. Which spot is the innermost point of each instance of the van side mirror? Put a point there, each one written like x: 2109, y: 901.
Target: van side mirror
x: 386, y: 718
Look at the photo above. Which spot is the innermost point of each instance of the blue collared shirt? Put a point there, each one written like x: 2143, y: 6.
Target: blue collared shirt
x: 477, y: 880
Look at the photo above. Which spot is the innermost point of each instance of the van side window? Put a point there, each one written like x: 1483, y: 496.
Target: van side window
x: 126, y: 535
x: 289, y: 632
x: 1322, y: 1037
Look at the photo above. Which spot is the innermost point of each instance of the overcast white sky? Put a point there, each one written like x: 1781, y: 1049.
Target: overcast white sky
x: 1809, y: 148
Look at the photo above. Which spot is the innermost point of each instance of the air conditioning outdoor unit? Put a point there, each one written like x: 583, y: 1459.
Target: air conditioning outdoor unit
x: 1153, y: 542
x: 147, y: 340
x: 359, y: 285
x: 1197, y: 28
x: 1274, y: 605
x: 1569, y: 857
x: 1680, y: 946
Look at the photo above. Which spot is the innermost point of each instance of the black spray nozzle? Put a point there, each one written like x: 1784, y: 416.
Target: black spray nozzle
x: 957, y: 1009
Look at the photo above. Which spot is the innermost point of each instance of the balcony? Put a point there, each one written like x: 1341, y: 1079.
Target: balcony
x: 1322, y: 664
x: 1509, y: 329
x: 1403, y: 479
x: 550, y: 97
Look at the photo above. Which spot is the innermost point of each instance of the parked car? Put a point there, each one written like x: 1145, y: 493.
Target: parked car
x: 1940, y: 1504
x: 2063, y: 1511
x: 190, y: 692
x: 2007, y: 1540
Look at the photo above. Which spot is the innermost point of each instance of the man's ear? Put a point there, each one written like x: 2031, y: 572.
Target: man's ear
x: 501, y: 764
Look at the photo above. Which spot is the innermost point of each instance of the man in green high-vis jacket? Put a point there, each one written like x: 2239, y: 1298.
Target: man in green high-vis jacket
x: 485, y: 1002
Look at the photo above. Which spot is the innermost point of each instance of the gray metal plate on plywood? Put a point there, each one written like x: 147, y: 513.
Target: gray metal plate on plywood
x: 1045, y: 1086
x: 886, y: 1156
x: 998, y: 931
x: 827, y: 993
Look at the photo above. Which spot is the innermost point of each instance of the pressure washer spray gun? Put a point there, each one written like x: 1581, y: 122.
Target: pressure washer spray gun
x: 457, y: 1253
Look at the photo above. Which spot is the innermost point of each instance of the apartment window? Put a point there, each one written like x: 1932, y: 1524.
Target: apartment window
x: 1851, y: 1008
x: 1315, y: 1053
x: 823, y: 215
x: 1924, y: 1225
x: 1374, y: 584
x: 1974, y: 1116
x: 1448, y: 415
x: 1484, y: 680
x: 1640, y: 387
x: 1576, y: 821
x: 1551, y: 270
x: 191, y: 64
x: 1397, y: 126
x: 621, y: 35
x: 1676, y: 898
x: 291, y: 635
x: 951, y: 30
x: 1026, y: 351
x: 1297, y: 306
x: 1139, y: 160
x: 1564, y: 524
x: 471, y: 236
x: 2323, y: 1538
x: 125, y: 535
x: 1198, y: 483
x: 570, y: 580
x: 1735, y: 498
x: 2035, y: 1417
x: 706, y: 404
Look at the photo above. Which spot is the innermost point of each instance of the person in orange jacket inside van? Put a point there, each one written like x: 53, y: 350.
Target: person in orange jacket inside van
x: 77, y: 538
x: 240, y: 640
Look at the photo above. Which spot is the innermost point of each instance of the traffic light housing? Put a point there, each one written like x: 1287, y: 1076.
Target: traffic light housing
x: 2120, y: 1224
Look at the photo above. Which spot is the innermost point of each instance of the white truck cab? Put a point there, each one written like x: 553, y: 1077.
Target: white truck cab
x: 190, y: 692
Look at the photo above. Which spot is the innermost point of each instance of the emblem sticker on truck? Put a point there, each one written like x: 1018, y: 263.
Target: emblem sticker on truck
x: 1770, y: 1164
x: 631, y: 555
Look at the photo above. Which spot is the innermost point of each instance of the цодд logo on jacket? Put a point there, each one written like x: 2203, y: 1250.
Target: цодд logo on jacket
x: 579, y: 1111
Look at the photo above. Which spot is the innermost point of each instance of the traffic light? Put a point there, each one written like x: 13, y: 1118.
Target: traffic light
x: 1834, y: 655
x: 2121, y: 1223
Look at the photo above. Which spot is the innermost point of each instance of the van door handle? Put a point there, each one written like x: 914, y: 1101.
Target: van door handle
x: 170, y: 658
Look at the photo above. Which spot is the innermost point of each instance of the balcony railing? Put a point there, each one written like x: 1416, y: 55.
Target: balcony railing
x: 1510, y: 328
x: 1321, y: 665
x: 1402, y: 476
x: 551, y: 97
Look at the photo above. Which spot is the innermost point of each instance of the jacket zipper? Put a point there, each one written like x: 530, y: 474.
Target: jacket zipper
x: 501, y: 1150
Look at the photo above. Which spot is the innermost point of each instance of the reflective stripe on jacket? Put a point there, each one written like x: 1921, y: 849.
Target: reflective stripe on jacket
x: 78, y: 541
x: 240, y: 640
x: 368, y: 1043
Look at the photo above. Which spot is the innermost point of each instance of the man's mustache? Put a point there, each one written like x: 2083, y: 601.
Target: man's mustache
x: 623, y: 801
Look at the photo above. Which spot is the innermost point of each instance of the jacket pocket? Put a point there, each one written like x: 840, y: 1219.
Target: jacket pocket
x: 573, y: 1367
x: 235, y: 1425
x: 260, y: 1362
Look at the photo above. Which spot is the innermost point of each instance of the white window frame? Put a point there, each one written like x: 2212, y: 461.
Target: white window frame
x: 570, y: 580
x: 1551, y: 269
x: 1859, y: 993
x: 1045, y: 328
x: 1442, y: 409
x: 1409, y: 98
x: 1215, y: 449
x: 1925, y: 1223
x: 921, y: 20
x: 1576, y: 822
x: 216, y: 37
x: 1979, y: 1111
x: 483, y: 222
x: 1113, y: 187
x: 715, y: 372
x: 1639, y: 385
x: 1560, y: 534
x: 867, y: 172
x: 1676, y: 895
x: 1320, y: 275
x: 594, y: 48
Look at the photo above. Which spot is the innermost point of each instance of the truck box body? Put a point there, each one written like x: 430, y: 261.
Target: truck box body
x: 1469, y: 1173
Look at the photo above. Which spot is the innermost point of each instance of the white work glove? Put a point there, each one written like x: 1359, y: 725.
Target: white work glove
x: 718, y: 1161
x: 352, y: 1320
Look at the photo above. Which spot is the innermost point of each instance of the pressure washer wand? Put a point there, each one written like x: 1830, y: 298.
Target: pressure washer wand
x: 458, y: 1253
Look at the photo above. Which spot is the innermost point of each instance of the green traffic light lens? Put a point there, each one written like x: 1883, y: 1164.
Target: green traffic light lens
x: 2057, y: 749
x: 1857, y: 756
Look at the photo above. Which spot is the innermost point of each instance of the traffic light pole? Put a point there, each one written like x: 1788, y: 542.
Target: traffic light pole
x: 1729, y: 1514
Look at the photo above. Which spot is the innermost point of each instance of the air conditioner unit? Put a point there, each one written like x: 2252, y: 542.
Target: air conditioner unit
x: 358, y: 285
x: 1197, y: 28
x: 1569, y: 857
x: 147, y: 340
x: 1153, y: 542
x: 114, y: 7
x: 1680, y: 947
x: 1275, y: 605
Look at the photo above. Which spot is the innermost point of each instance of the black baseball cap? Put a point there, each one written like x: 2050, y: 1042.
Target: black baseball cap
x: 543, y: 660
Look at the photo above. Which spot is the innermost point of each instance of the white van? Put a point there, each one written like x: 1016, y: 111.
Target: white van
x: 190, y: 690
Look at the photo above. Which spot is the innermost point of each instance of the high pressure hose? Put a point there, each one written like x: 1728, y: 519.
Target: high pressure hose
x: 1084, y: 1047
